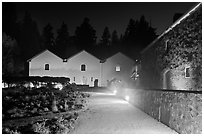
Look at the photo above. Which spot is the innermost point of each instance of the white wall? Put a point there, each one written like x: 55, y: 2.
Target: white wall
x: 70, y: 69
x: 109, y: 69
x: 92, y: 68
x: 37, y: 65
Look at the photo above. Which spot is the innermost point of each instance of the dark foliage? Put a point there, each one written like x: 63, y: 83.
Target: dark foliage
x: 9, y: 17
x: 85, y: 35
x: 34, y: 79
x: 105, y: 38
x: 114, y: 38
x: 12, y: 63
x: 62, y: 40
x: 137, y: 36
x: 48, y: 37
x: 29, y: 39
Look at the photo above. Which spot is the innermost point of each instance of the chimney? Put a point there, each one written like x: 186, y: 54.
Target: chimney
x: 177, y: 16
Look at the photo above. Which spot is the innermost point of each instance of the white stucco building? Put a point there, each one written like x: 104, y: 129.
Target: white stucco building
x: 117, y: 66
x: 82, y: 68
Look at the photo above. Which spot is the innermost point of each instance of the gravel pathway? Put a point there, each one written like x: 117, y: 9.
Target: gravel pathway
x: 107, y: 114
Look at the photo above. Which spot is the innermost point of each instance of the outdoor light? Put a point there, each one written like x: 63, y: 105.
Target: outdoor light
x: 58, y: 86
x: 127, y: 98
x: 115, y: 91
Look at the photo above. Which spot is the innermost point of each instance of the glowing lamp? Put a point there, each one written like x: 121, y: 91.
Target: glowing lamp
x: 58, y: 86
x: 127, y: 98
x: 115, y: 91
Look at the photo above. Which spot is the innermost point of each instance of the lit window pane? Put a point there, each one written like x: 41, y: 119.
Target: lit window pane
x: 64, y: 60
x: 117, y: 68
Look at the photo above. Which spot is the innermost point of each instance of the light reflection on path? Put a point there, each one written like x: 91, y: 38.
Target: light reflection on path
x: 109, y: 115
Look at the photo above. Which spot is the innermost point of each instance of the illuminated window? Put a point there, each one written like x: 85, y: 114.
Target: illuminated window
x: 117, y: 68
x: 187, y: 72
x: 64, y: 60
x: 83, y: 67
x: 47, y: 67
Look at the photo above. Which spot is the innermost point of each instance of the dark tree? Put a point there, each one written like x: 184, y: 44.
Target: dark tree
x: 29, y: 37
x: 146, y: 34
x: 130, y: 33
x: 12, y: 65
x: 85, y: 35
x: 48, y: 37
x: 137, y: 36
x: 62, y: 40
x: 106, y: 37
x: 9, y: 25
x: 114, y: 38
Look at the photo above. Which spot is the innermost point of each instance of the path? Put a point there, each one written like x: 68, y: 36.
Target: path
x: 109, y: 115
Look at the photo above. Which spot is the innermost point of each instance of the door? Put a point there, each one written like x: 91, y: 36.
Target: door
x: 96, y: 83
x: 84, y: 80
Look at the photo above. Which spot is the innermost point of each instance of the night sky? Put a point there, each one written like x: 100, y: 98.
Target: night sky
x: 114, y: 15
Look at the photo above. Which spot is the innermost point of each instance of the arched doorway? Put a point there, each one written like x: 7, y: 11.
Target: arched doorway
x: 166, y: 78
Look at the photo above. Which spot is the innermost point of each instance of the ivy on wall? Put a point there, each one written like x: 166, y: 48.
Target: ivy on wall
x: 184, y: 46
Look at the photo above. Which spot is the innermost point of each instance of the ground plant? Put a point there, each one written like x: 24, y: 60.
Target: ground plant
x: 44, y: 110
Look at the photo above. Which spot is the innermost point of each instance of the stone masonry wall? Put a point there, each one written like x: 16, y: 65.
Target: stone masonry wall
x: 178, y: 47
x: 180, y: 110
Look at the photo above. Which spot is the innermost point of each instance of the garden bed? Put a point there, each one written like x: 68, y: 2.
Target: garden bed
x: 41, y: 110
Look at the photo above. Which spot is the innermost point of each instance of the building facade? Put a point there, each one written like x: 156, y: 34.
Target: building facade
x: 174, y: 60
x: 82, y: 68
x: 117, y: 67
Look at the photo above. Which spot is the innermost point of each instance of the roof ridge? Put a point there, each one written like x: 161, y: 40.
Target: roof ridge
x: 188, y: 13
x: 41, y: 53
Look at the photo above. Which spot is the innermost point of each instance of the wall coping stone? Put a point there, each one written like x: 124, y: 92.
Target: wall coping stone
x: 166, y: 90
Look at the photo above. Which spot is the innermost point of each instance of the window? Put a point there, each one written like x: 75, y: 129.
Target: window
x: 64, y: 60
x: 74, y: 78
x: 187, y: 72
x: 167, y: 45
x: 83, y: 67
x: 47, y: 67
x: 117, y: 68
x: 91, y: 79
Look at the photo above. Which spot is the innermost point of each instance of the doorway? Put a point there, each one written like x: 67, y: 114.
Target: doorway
x: 84, y: 80
x: 166, y: 79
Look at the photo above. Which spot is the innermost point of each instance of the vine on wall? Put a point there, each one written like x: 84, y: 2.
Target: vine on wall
x: 184, y: 46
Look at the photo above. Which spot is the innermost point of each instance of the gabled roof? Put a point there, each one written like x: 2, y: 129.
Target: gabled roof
x: 41, y: 53
x: 81, y: 52
x: 173, y: 25
x: 66, y: 55
x: 71, y: 52
x: 104, y: 60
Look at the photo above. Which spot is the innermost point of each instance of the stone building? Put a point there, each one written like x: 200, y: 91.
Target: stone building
x: 174, y: 59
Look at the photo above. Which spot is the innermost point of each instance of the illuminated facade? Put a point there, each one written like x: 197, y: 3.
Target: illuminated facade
x: 82, y: 68
x: 117, y: 67
x: 174, y: 59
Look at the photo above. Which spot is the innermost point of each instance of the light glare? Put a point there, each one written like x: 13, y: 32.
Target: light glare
x: 114, y: 92
x: 127, y: 98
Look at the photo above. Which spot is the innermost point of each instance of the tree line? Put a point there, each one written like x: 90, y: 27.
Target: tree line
x: 24, y: 34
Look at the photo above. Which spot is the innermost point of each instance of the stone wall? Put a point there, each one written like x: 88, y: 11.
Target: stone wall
x: 180, y: 110
x: 174, y: 50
